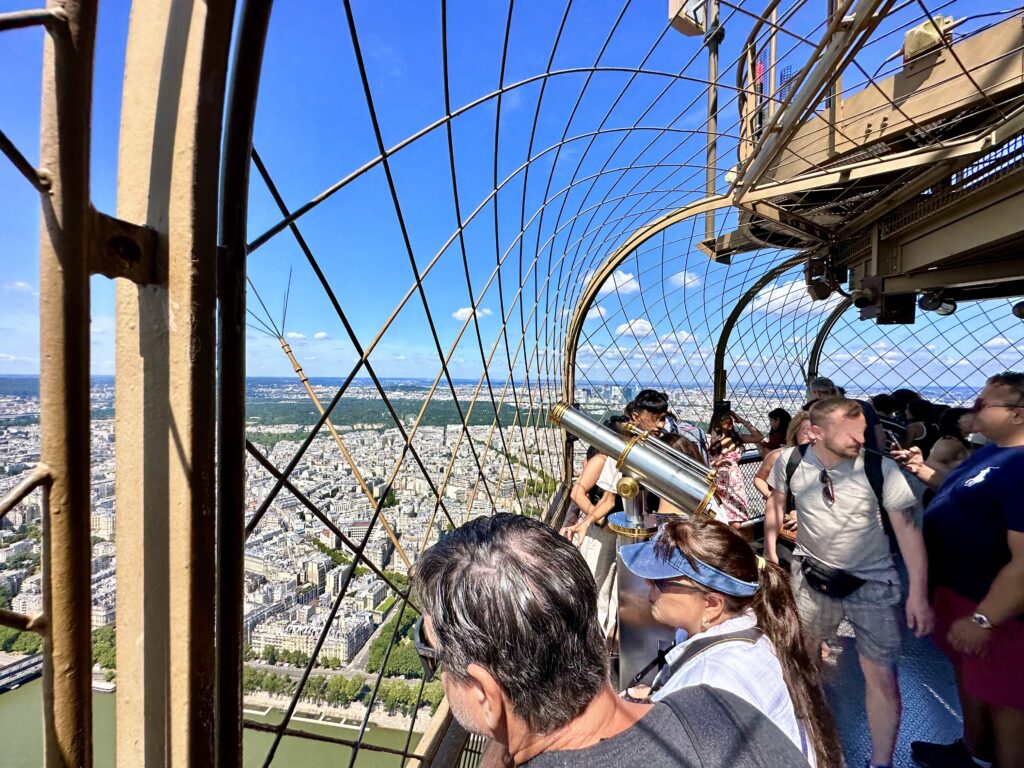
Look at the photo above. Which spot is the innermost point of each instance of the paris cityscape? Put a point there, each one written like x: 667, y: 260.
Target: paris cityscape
x: 291, y: 556
x: 426, y: 476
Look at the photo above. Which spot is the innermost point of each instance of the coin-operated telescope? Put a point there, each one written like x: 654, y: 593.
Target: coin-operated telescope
x: 671, y: 475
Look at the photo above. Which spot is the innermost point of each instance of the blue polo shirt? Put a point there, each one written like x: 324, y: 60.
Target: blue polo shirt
x: 966, y: 523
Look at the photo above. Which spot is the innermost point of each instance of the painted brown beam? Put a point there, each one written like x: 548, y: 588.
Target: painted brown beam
x: 64, y: 383
x: 168, y: 169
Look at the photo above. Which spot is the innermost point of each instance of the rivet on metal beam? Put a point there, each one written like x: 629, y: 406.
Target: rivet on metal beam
x: 121, y: 249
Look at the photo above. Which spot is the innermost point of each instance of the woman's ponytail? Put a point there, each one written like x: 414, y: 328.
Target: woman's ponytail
x: 775, y: 609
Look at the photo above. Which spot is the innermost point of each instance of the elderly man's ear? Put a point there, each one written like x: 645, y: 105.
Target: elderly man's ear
x: 488, y: 696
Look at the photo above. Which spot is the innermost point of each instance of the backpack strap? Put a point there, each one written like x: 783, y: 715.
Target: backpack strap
x: 697, y: 647
x: 719, y: 728
x: 876, y: 478
x: 794, y: 461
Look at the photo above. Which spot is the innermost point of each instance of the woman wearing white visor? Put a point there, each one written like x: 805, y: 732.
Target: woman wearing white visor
x: 744, y: 633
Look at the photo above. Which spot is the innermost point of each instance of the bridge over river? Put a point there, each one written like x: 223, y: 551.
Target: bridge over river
x: 21, y: 672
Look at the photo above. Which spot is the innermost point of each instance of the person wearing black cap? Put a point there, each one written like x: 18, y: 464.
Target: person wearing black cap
x: 743, y: 630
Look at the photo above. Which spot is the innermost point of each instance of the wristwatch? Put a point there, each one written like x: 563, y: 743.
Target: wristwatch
x: 981, y: 620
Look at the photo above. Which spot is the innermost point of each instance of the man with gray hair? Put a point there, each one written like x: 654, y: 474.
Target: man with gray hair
x: 843, y: 565
x: 510, y: 619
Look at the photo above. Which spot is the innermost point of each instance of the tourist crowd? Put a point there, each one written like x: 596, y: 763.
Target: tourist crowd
x: 889, y: 514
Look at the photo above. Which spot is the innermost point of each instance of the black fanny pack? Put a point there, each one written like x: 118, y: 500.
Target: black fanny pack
x: 830, y: 581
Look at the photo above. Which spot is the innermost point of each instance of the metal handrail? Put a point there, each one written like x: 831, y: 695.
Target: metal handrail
x: 39, y: 477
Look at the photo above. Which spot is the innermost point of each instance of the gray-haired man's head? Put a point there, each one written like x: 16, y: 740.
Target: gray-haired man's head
x: 510, y: 604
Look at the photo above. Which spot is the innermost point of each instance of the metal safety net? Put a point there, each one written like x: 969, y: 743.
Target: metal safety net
x: 444, y: 211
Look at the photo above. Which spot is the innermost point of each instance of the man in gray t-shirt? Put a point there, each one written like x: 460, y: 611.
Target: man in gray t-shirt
x: 510, y: 625
x: 842, y: 535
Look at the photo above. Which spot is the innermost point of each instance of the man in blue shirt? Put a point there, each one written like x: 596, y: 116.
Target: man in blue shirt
x: 974, y: 532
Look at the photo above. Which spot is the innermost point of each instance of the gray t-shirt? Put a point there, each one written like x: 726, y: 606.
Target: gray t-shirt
x: 698, y: 727
x: 849, y: 533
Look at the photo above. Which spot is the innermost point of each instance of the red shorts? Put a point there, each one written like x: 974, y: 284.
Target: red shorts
x: 997, y: 679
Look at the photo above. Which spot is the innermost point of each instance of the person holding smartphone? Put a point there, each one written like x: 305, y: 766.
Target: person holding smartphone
x: 974, y: 532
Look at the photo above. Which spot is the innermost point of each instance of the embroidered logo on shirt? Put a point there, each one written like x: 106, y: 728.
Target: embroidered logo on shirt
x: 978, y: 478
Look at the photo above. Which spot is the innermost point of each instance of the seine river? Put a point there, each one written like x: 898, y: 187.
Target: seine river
x: 21, y: 737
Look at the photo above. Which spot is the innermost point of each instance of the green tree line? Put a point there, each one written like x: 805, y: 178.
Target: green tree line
x: 403, y: 660
x: 15, y: 641
x: 350, y: 412
x: 339, y: 691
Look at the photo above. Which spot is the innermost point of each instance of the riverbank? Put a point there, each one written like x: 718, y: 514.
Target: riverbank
x: 21, y: 734
x: 261, y: 703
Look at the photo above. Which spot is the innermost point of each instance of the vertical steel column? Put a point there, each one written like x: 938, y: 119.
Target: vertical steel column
x: 244, y: 87
x: 721, y: 380
x: 172, y: 111
x: 713, y: 37
x: 832, y: 98
x: 772, y: 89
x: 814, y: 358
x: 64, y: 383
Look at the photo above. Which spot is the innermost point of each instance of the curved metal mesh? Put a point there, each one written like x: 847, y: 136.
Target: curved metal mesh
x: 485, y: 168
x: 946, y: 358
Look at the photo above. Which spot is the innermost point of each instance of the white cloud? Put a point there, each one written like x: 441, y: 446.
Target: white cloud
x: 596, y: 313
x: 780, y: 298
x: 464, y: 313
x: 321, y: 335
x: 398, y: 357
x: 685, y: 279
x: 295, y: 336
x: 620, y: 282
x: 638, y: 328
x: 997, y: 342
x: 677, y: 337
x: 5, y: 358
x: 19, y: 287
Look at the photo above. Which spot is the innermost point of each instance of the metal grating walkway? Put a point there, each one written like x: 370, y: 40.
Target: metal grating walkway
x: 931, y: 710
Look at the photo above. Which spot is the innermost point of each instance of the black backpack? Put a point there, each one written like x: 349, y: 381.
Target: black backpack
x: 876, y: 479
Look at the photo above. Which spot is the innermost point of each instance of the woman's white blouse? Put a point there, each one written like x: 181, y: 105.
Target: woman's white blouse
x: 749, y: 670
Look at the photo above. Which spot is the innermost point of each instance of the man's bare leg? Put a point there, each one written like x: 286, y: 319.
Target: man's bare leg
x: 1008, y: 728
x: 977, y: 723
x: 882, y: 702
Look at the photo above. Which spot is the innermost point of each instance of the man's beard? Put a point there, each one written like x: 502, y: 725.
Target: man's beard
x: 466, y: 718
x: 846, y: 451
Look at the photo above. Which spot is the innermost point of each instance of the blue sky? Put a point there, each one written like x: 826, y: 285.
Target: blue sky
x: 573, y: 202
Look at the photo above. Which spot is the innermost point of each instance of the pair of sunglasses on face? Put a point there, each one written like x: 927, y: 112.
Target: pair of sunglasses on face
x: 430, y: 658
x: 666, y: 585
x: 980, y: 405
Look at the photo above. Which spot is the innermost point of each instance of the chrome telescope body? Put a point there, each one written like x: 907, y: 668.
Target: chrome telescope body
x: 673, y: 476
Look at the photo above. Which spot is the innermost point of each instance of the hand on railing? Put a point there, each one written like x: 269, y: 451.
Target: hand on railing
x: 578, y: 532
